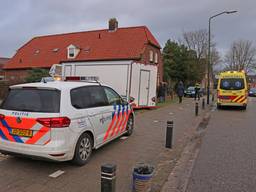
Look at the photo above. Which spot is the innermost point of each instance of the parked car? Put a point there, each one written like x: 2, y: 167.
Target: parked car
x: 62, y: 121
x: 252, y: 92
x: 190, y: 92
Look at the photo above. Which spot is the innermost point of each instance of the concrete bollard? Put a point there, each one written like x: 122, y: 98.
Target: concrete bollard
x: 169, y: 134
x: 196, y: 109
x: 203, y: 103
x: 108, y: 178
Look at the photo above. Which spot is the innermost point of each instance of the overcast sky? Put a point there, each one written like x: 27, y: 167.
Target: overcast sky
x: 21, y: 20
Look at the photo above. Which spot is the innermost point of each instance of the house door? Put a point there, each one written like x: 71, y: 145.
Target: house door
x: 144, y: 87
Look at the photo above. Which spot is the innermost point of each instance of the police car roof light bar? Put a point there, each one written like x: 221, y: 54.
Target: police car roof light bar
x: 88, y: 79
x: 71, y: 78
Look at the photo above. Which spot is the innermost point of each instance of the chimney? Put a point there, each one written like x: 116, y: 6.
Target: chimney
x: 112, y: 24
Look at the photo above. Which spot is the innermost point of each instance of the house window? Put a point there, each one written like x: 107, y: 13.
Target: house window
x: 71, y: 52
x: 37, y: 52
x: 55, y: 50
x: 156, y: 58
x: 151, y: 56
x: 1, y: 77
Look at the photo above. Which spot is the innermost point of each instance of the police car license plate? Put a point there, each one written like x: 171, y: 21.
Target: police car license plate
x: 22, y: 132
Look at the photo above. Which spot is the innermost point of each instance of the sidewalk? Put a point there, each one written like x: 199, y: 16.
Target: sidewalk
x: 185, y: 124
x: 147, y: 144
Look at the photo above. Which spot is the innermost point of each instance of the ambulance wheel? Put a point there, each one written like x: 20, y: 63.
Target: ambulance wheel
x: 129, y: 126
x: 83, y: 150
x: 244, y: 107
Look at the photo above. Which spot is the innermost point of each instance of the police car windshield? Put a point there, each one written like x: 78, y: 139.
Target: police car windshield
x: 232, y: 84
x: 32, y: 100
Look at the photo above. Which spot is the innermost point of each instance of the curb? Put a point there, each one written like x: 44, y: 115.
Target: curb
x: 178, y: 179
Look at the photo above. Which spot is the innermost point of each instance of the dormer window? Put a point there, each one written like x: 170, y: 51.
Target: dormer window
x: 72, y: 51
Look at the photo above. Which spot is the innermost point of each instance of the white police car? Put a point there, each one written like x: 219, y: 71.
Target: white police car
x: 62, y: 120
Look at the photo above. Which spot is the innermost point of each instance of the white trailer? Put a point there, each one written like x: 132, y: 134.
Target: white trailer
x: 135, y: 81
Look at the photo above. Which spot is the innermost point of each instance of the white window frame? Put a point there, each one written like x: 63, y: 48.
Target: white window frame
x: 72, y: 49
x: 151, y: 56
x: 156, y: 57
x: 2, y: 78
x: 71, y: 52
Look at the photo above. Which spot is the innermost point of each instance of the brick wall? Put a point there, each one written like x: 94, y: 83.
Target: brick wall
x: 2, y: 73
x: 12, y: 77
x: 145, y: 58
x: 16, y: 76
x: 3, y: 89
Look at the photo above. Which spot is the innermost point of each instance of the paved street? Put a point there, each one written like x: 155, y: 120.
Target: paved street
x: 226, y: 162
x: 145, y: 145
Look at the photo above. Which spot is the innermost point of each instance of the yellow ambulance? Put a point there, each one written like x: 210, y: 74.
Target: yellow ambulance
x: 232, y: 89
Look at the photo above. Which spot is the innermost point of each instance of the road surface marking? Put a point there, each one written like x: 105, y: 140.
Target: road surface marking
x: 155, y: 121
x: 56, y: 174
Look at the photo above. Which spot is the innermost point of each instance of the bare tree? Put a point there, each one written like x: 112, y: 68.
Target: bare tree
x: 241, y: 56
x: 198, y: 41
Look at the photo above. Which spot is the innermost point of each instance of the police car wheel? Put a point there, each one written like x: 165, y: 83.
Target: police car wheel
x: 129, y: 126
x: 83, y: 150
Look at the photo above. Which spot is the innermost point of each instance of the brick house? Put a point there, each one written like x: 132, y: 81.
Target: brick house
x: 251, y: 80
x: 112, y: 44
x: 3, y: 84
x: 3, y: 61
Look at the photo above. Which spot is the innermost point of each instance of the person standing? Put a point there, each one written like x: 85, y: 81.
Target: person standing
x: 197, y: 91
x: 180, y: 91
x: 161, y: 92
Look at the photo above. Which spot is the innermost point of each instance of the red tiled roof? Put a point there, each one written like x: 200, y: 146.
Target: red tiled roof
x: 124, y: 43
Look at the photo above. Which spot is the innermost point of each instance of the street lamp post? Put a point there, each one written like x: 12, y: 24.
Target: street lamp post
x: 209, y: 51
